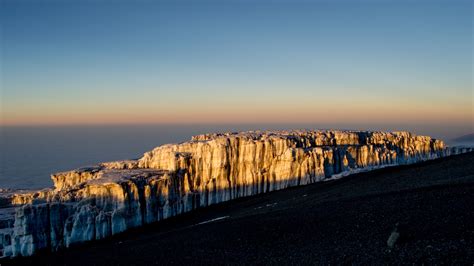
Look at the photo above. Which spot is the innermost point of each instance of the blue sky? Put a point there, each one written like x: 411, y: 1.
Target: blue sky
x: 237, y: 61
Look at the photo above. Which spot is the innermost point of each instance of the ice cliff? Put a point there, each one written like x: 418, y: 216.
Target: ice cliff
x: 102, y: 200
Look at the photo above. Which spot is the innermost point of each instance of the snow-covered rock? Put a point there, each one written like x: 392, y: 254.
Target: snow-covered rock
x: 109, y: 198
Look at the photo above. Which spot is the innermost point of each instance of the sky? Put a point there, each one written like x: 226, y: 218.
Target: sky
x: 403, y: 64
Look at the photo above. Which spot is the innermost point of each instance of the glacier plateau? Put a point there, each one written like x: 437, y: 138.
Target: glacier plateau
x: 95, y: 202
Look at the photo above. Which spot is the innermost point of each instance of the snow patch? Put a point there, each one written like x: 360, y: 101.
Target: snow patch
x: 213, y: 220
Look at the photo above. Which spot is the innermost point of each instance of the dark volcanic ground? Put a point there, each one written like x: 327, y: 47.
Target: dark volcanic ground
x: 343, y: 221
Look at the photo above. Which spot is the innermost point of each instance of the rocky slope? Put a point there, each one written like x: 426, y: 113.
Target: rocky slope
x: 109, y: 198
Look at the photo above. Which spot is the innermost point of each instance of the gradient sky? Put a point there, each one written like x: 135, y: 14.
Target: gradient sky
x: 334, y: 62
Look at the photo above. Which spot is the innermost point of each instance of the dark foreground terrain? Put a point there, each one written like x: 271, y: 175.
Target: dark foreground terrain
x: 335, y: 222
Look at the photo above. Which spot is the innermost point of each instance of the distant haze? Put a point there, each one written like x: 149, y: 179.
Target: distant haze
x: 29, y: 154
x: 468, y: 137
x: 391, y: 65
x: 466, y: 140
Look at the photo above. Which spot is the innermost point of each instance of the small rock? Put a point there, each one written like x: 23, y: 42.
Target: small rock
x: 392, y: 239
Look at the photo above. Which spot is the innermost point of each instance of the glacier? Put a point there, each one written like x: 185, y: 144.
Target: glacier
x: 98, y: 201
